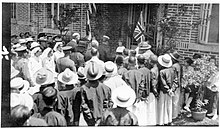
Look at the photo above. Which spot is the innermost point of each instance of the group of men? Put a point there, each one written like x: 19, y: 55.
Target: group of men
x: 61, y: 85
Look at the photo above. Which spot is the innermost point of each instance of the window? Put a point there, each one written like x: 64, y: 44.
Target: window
x: 209, y: 28
x: 13, y: 10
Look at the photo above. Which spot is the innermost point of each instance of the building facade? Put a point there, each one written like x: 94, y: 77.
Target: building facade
x: 118, y: 22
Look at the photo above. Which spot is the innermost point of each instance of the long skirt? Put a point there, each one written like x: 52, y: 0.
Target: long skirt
x: 164, y: 109
x: 145, y: 111
x: 176, y: 103
x: 152, y: 110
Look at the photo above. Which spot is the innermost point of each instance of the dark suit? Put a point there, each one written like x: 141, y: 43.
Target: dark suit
x: 65, y: 62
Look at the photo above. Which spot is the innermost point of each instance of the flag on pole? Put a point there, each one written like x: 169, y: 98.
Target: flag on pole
x: 88, y: 27
x: 92, y: 8
x: 139, y: 30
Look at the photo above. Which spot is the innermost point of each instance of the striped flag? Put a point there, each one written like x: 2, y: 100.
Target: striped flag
x: 88, y: 27
x: 92, y: 8
x: 139, y: 30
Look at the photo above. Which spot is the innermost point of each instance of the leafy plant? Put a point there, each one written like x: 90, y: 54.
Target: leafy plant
x: 203, y: 71
x: 66, y: 17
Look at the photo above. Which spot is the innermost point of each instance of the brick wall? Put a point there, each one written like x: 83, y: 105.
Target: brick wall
x: 21, y: 23
x: 192, y: 36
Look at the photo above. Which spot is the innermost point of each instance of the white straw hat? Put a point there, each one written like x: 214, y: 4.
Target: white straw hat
x: 165, y: 60
x: 123, y: 96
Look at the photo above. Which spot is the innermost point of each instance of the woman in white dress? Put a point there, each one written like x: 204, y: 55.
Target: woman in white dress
x: 48, y: 60
x: 34, y: 64
x: 58, y: 51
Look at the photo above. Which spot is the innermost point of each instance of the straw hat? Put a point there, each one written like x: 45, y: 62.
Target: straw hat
x: 34, y: 44
x: 123, y: 96
x: 29, y: 39
x: 21, y: 99
x: 110, y: 68
x: 21, y: 41
x: 19, y: 83
x: 42, y: 39
x: 68, y: 77
x: 20, y: 48
x: 81, y: 73
x: 144, y: 45
x: 43, y: 76
x: 175, y: 55
x: 93, y: 71
x: 165, y: 60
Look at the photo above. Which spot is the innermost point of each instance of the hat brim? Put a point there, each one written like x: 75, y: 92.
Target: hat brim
x: 164, y: 64
x: 171, y: 55
x: 99, y: 75
x: 73, y: 81
x: 50, y: 77
x: 143, y: 48
x: 129, y: 91
x: 26, y: 85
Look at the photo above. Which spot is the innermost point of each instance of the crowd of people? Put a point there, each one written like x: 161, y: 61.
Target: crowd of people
x: 54, y: 83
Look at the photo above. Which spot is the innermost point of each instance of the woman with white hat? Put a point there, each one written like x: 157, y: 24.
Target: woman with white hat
x: 35, y: 62
x: 165, y: 83
x: 58, y: 51
x: 48, y: 60
x: 123, y: 97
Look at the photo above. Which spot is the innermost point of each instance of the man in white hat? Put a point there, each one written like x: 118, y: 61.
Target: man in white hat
x: 113, y: 80
x: 74, y: 42
x: 123, y: 97
x: 144, y: 48
x: 22, y: 62
x: 166, y: 92
x: 95, y: 96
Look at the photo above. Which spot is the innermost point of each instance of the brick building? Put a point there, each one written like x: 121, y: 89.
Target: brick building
x: 118, y: 22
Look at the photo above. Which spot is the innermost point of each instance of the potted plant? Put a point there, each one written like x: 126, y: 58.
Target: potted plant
x: 203, y: 70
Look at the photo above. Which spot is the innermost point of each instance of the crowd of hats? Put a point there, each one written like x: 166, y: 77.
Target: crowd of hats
x: 124, y: 96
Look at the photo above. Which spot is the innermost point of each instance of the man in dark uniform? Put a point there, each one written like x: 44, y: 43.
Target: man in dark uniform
x: 104, y: 50
x: 92, y: 98
x: 66, y: 62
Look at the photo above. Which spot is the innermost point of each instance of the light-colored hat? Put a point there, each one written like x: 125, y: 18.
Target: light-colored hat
x: 93, y: 71
x: 95, y: 43
x: 120, y: 49
x: 175, y: 55
x: 16, y: 46
x: 21, y: 41
x: 21, y: 48
x: 144, y: 45
x: 19, y: 83
x: 67, y: 48
x: 14, y: 72
x: 81, y: 73
x: 165, y: 60
x: 43, y: 76
x: 105, y: 36
x: 123, y: 96
x: 42, y: 39
x: 68, y: 77
x: 110, y: 68
x: 21, y: 99
x: 30, y: 39
x: 34, y: 44
x: 56, y: 45
x: 75, y: 34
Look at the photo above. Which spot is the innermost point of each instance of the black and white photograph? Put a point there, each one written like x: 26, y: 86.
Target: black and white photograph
x: 89, y: 64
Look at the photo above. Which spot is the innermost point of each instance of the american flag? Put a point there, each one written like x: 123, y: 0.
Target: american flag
x: 139, y: 30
